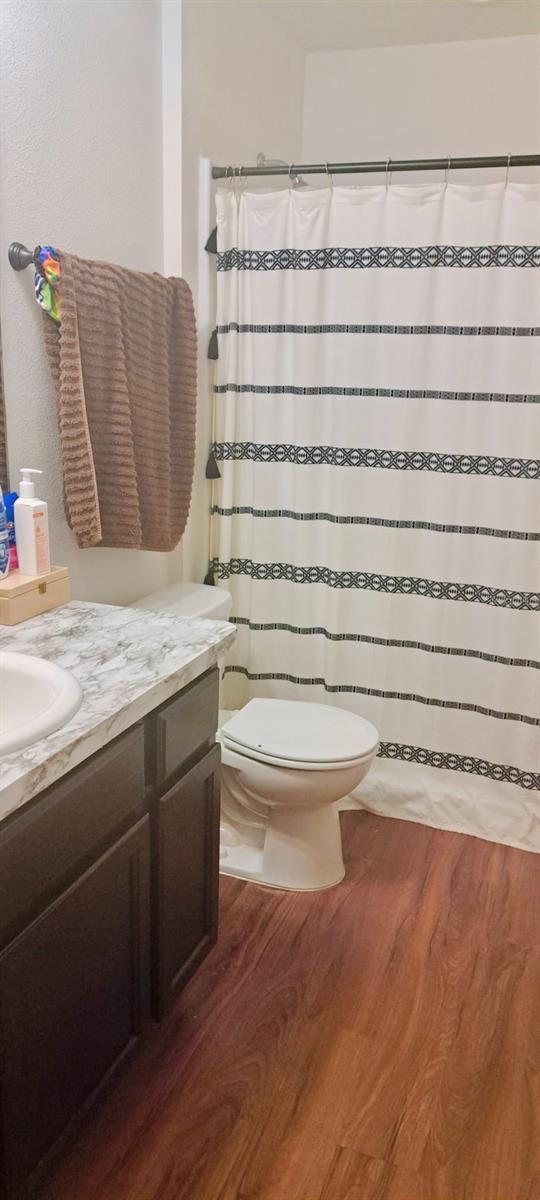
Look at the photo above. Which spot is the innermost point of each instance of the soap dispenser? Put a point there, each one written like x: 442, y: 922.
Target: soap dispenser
x: 31, y: 527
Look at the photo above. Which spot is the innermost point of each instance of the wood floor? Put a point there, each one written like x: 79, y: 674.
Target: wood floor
x: 380, y: 1041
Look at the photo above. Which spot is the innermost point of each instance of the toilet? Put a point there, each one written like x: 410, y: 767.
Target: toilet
x: 285, y: 764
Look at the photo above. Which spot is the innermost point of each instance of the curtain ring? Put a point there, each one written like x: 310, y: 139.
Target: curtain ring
x: 329, y: 176
x: 229, y: 177
x: 388, y: 174
x: 507, y: 170
x: 291, y: 180
x: 446, y: 172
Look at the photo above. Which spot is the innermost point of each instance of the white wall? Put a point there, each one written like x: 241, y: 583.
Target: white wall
x: 243, y: 84
x: 171, y: 102
x: 457, y: 98
x: 81, y: 150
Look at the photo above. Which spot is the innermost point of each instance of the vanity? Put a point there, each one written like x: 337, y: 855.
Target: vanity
x: 109, y: 855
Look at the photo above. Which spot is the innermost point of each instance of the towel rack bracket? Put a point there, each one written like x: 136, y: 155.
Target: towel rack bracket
x: 21, y: 257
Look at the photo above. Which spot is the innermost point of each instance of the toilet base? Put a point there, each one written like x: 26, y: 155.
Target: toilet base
x: 300, y: 851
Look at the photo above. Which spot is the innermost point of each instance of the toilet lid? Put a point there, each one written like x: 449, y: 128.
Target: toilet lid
x: 298, y: 732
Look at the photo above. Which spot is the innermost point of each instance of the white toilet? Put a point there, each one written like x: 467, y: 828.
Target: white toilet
x: 285, y: 764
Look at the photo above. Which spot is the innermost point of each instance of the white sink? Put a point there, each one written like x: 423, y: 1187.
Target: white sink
x: 36, y: 697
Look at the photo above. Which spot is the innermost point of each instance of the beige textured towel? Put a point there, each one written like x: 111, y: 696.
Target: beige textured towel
x: 124, y: 364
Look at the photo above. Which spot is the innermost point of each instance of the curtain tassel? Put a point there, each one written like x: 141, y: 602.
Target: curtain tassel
x: 209, y: 577
x: 213, y: 346
x: 211, y: 245
x: 212, y: 469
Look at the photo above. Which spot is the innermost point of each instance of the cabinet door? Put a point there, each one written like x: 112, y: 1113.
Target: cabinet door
x: 186, y: 878
x: 49, y: 844
x: 73, y: 1001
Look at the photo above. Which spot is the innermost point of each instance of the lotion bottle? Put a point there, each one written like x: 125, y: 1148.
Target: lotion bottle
x: 31, y: 527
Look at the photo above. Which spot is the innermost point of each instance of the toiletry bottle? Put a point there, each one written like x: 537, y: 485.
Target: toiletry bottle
x: 31, y: 527
x: 9, y: 501
x: 4, y: 543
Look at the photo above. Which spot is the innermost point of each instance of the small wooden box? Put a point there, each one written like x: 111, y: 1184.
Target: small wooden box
x: 25, y: 596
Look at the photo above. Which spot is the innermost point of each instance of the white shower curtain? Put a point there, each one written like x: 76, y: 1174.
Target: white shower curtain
x: 376, y: 429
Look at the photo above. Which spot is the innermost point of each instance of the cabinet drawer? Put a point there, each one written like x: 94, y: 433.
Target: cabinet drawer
x: 186, y: 724
x: 43, y: 849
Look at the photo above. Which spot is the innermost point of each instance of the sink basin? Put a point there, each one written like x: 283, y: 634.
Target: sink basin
x: 36, y: 697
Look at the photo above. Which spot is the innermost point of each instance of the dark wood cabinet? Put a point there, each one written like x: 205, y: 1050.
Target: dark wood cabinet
x: 74, y: 1001
x: 108, y: 903
x: 185, y: 878
x: 184, y: 727
x: 49, y: 843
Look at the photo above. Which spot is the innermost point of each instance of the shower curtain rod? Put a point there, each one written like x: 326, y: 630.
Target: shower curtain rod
x: 398, y: 164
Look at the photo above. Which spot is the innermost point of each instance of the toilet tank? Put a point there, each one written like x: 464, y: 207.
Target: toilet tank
x: 189, y: 600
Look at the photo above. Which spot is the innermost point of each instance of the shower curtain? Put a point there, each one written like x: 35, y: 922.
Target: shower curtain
x: 377, y: 516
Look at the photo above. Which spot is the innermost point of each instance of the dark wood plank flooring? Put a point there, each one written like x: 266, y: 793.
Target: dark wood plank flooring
x: 380, y: 1041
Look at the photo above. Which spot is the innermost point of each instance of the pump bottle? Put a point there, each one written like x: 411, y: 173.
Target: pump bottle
x: 31, y: 527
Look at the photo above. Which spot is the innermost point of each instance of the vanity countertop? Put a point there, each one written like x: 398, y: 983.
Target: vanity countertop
x: 127, y: 661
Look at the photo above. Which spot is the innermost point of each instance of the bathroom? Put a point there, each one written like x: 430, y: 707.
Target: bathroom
x: 270, y: 886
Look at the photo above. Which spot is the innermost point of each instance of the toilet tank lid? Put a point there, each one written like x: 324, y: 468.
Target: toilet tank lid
x: 189, y: 600
x: 300, y: 731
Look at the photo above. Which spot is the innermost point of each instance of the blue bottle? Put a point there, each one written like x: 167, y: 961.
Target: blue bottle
x: 4, y: 540
x: 9, y: 501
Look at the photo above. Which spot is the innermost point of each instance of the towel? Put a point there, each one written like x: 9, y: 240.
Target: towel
x: 124, y: 363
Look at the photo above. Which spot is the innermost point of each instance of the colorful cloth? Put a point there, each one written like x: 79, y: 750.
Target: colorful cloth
x: 47, y: 281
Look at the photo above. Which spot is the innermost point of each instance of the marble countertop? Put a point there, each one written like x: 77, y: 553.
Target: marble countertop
x: 127, y: 661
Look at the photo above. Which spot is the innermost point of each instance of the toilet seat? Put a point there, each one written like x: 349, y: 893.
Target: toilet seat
x: 300, y: 736
x: 293, y: 764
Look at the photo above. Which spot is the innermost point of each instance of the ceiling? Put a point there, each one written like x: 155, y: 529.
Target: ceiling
x: 355, y: 24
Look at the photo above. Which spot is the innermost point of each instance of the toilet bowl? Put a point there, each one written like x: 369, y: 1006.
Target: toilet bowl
x: 285, y: 765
